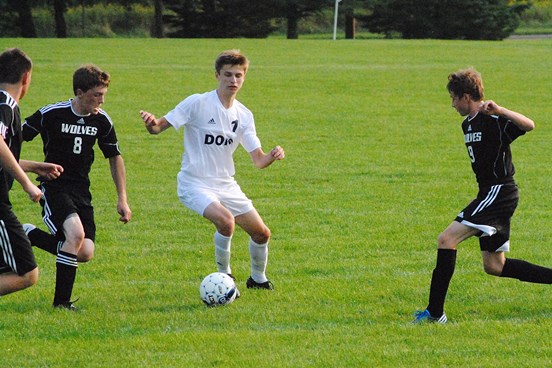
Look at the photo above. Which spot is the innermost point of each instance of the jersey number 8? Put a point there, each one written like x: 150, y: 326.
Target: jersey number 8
x: 77, y: 147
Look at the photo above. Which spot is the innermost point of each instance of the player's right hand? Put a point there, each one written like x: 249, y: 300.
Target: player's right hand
x: 34, y: 192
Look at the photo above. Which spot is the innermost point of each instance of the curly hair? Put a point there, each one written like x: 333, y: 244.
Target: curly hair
x: 466, y: 81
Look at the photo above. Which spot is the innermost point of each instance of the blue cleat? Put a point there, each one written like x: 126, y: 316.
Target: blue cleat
x: 424, y: 316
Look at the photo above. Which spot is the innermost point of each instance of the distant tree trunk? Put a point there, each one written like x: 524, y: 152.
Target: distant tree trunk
x: 25, y: 17
x: 350, y: 25
x: 292, y: 28
x: 157, y: 30
x: 59, y: 16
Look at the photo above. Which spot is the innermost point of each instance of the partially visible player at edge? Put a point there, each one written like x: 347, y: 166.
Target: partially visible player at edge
x: 69, y: 131
x: 215, y: 123
x: 489, y: 129
x: 18, y: 268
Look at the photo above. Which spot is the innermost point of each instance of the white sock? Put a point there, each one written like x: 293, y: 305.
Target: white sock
x: 222, y: 252
x: 259, y: 259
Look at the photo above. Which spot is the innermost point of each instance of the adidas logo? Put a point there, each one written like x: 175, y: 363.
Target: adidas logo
x: 212, y: 121
x: 469, y: 128
x: 80, y: 121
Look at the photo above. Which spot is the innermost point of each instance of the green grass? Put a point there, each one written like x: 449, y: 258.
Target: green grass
x: 375, y: 169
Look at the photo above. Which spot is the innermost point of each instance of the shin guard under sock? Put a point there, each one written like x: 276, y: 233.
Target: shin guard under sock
x: 525, y: 271
x: 440, y: 280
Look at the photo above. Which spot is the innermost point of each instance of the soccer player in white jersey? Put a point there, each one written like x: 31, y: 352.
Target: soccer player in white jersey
x: 215, y: 123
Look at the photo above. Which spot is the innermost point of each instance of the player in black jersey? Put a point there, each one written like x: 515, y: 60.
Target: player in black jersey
x: 489, y: 129
x: 18, y: 269
x: 69, y: 131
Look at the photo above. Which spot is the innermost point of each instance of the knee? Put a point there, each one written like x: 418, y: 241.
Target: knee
x: 75, y: 240
x: 262, y: 236
x: 30, y: 278
x: 86, y: 251
x: 493, y: 267
x: 85, y: 256
x: 445, y: 241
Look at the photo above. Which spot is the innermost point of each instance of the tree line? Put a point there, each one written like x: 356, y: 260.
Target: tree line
x: 442, y: 19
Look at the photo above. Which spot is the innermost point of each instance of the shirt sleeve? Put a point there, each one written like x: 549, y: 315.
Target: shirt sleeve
x: 182, y: 113
x: 511, y: 130
x: 108, y: 142
x: 32, y: 126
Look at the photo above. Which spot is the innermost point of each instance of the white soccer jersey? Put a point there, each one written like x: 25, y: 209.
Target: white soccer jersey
x: 212, y: 134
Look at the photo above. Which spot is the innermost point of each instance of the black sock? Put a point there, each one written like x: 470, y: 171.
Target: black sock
x: 43, y: 240
x: 440, y: 280
x: 525, y: 271
x: 66, y: 267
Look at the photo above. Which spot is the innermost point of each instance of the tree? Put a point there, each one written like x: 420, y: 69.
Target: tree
x: 59, y: 15
x: 157, y: 30
x: 22, y: 23
x: 447, y: 19
x: 219, y: 19
x: 294, y: 10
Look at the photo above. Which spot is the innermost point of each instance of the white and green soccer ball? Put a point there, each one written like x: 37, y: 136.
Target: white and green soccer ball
x: 217, y: 289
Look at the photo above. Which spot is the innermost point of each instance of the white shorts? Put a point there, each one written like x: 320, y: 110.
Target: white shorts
x: 197, y: 194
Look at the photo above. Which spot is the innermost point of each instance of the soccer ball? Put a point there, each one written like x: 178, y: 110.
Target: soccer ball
x: 217, y: 289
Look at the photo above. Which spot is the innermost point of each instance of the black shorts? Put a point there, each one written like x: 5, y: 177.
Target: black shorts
x: 490, y: 213
x: 16, y: 254
x: 58, y: 204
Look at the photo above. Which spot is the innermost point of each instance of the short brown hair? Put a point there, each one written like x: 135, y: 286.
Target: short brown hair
x: 466, y: 81
x: 231, y: 57
x: 14, y: 63
x: 89, y: 76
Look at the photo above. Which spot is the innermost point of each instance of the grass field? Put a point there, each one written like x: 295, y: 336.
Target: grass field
x: 375, y: 169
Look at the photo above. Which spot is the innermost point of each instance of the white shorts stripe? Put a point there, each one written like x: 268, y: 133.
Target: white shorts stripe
x: 491, y: 196
x: 47, y: 214
x: 6, y: 247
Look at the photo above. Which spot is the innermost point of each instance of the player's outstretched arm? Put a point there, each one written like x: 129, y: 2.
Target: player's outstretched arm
x: 46, y: 170
x: 490, y: 107
x: 262, y: 160
x: 154, y: 125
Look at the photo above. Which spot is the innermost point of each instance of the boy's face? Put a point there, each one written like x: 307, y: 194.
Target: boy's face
x: 461, y: 103
x: 91, y: 100
x: 230, y: 79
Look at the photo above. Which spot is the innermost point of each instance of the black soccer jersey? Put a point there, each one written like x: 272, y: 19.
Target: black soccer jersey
x: 10, y: 129
x: 488, y: 138
x: 69, y: 138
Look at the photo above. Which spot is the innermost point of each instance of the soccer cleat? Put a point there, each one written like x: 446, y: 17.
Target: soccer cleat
x: 252, y: 284
x: 237, y: 290
x: 28, y: 228
x: 424, y: 316
x: 67, y: 305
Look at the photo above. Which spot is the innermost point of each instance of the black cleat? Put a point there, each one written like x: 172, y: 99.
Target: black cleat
x: 252, y: 284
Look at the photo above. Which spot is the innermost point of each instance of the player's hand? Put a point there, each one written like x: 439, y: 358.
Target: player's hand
x: 490, y: 108
x: 49, y: 171
x: 34, y: 192
x: 148, y: 118
x: 278, y: 153
x: 125, y: 212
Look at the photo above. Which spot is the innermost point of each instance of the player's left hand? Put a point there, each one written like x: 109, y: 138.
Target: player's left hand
x: 125, y: 212
x: 278, y: 153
